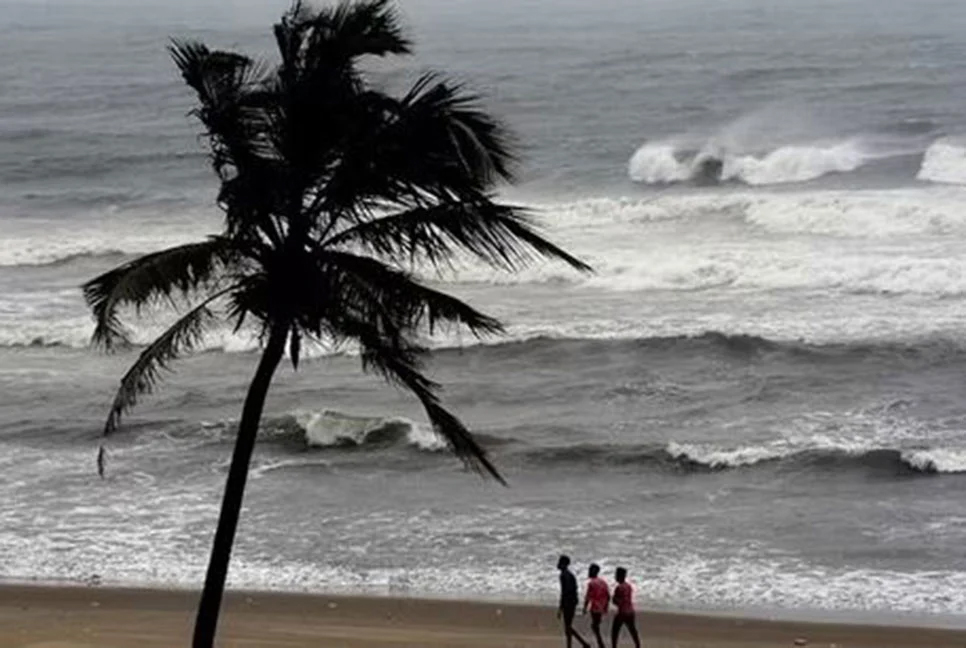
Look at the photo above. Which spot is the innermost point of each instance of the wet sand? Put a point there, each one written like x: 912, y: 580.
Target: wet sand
x: 96, y: 617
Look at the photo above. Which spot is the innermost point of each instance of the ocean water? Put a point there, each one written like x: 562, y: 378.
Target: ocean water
x: 756, y: 402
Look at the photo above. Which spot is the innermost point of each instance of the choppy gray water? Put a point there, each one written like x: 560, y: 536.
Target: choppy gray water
x: 756, y: 401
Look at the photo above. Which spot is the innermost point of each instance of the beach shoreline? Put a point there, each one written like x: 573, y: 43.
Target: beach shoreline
x: 44, y: 616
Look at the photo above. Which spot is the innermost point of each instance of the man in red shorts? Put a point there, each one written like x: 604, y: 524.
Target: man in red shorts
x: 624, y: 602
x: 597, y: 599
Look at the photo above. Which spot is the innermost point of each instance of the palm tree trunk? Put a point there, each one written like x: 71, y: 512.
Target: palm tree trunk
x: 207, y: 620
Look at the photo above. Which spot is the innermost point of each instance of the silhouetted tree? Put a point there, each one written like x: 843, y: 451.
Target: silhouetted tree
x: 331, y: 189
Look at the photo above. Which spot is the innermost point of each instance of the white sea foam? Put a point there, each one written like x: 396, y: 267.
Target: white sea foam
x: 666, y: 163
x: 941, y: 460
x: 834, y: 243
x: 666, y: 572
x: 790, y: 164
x: 328, y: 429
x: 860, y: 214
x: 157, y: 533
x: 757, y: 582
x: 263, y: 468
x: 937, y: 460
x: 945, y: 162
x: 38, y: 242
x: 658, y: 163
x: 725, y: 457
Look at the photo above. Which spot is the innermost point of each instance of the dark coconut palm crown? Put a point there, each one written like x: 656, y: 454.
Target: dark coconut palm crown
x: 331, y: 189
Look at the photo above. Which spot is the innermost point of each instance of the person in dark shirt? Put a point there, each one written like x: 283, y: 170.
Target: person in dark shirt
x: 569, y: 597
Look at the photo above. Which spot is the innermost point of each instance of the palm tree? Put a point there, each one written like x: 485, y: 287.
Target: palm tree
x: 333, y: 193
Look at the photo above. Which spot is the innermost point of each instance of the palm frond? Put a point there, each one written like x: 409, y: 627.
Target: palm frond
x: 319, y: 81
x: 379, y: 292
x: 447, y: 112
x: 162, y: 275
x: 181, y: 337
x: 235, y: 103
x: 400, y: 362
x: 502, y: 236
x: 435, y: 142
x: 222, y: 80
x: 338, y: 34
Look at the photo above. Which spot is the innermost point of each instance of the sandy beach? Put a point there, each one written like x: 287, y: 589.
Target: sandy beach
x: 78, y: 617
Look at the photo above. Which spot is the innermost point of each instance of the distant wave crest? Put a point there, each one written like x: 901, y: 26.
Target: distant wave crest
x: 331, y: 429
x: 670, y: 161
x: 335, y: 430
x: 818, y: 458
x: 945, y: 162
x: 666, y: 163
x: 823, y: 457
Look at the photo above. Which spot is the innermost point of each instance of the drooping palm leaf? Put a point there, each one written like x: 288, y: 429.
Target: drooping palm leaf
x: 435, y: 143
x: 369, y: 286
x: 442, y: 111
x: 230, y: 88
x: 181, y: 337
x: 334, y: 36
x: 177, y: 271
x: 235, y: 107
x: 502, y: 236
x: 401, y: 363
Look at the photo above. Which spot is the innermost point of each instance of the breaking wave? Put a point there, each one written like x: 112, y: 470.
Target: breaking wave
x: 539, y: 341
x: 107, y: 255
x: 945, y: 162
x: 637, y: 244
x: 334, y: 430
x: 829, y: 457
x: 700, y: 458
x: 331, y: 429
x: 716, y: 343
x: 103, y: 236
x: 666, y: 163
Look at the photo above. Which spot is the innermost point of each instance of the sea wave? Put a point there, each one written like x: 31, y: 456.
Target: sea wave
x: 581, y: 223
x: 102, y: 235
x: 765, y: 247
x: 668, y: 162
x: 332, y: 429
x: 846, y: 455
x: 820, y: 457
x: 525, y: 342
x: 718, y: 343
x: 618, y: 237
x: 604, y: 230
x: 106, y: 256
x: 945, y: 162
x: 726, y: 158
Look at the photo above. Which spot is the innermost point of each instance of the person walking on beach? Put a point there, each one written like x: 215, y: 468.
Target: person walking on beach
x: 597, y: 599
x: 624, y: 602
x: 569, y: 598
